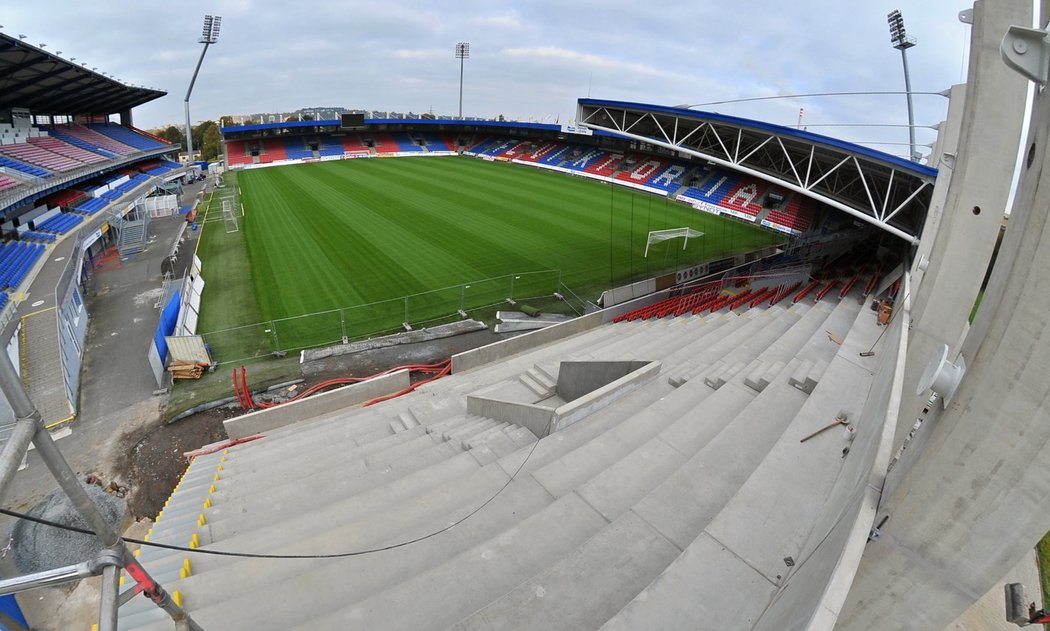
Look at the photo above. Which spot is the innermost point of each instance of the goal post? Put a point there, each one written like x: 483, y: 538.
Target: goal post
x: 229, y: 216
x: 655, y: 236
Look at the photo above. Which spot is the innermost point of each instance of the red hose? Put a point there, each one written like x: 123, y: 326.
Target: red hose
x: 439, y: 369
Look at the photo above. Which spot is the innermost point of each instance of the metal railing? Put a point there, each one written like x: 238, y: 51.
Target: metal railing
x: 335, y: 326
x: 115, y: 556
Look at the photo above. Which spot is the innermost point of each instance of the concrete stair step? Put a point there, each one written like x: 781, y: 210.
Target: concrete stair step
x: 241, y: 514
x: 457, y: 588
x: 581, y: 590
x: 260, y: 537
x: 223, y: 593
x: 740, y: 494
x: 333, y: 453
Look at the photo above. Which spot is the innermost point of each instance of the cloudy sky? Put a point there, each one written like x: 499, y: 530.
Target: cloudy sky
x: 529, y: 58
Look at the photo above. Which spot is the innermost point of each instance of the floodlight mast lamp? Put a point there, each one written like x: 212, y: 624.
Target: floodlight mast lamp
x: 462, y: 54
x: 209, y: 35
x: 900, y: 40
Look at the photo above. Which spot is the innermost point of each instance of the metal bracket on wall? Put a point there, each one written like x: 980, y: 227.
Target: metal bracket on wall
x: 1027, y: 51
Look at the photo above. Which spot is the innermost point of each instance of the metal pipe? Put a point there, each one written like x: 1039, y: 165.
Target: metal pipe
x: 14, y: 449
x: 461, y: 60
x: 23, y: 408
x: 186, y: 101
x: 48, y: 578
x: 109, y: 600
x: 911, y: 111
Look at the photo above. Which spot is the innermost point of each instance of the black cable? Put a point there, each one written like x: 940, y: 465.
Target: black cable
x: 253, y: 555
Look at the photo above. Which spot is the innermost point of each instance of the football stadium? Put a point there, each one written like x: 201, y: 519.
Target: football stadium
x: 654, y: 368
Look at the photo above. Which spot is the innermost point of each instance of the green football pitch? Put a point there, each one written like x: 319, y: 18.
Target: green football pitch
x: 348, y: 241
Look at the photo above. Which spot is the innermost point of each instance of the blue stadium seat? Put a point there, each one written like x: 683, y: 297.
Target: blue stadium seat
x: 127, y: 136
x: 23, y: 167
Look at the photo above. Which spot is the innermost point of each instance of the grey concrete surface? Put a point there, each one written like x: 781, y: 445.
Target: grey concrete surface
x: 973, y: 503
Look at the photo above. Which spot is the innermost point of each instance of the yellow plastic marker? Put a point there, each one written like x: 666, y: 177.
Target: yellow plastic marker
x: 207, y: 502
x: 200, y: 520
x: 195, y: 541
x: 177, y: 597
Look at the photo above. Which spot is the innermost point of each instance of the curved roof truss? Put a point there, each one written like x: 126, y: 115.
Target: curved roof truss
x: 883, y: 190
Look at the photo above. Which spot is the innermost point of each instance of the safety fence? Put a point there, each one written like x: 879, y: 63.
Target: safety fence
x: 335, y: 326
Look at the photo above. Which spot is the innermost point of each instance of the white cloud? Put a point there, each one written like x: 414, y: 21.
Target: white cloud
x: 530, y: 57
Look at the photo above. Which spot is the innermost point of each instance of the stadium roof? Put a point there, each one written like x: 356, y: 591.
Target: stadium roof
x: 396, y: 121
x: 878, y: 188
x: 43, y: 83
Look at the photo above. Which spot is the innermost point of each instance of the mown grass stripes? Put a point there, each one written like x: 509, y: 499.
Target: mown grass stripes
x: 339, y: 234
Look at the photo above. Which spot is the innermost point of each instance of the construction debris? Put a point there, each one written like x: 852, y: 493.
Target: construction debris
x: 186, y: 370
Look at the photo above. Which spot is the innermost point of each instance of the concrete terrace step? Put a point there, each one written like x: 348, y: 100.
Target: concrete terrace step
x: 634, y: 502
x: 790, y: 478
x: 447, y: 593
x: 262, y: 587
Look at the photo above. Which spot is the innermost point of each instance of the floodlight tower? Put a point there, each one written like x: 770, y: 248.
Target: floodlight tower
x: 209, y: 35
x: 462, y: 54
x: 900, y: 40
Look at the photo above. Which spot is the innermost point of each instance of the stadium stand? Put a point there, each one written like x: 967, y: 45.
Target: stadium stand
x: 16, y: 259
x: 61, y: 223
x: 383, y: 143
x: 439, y: 143
x: 608, y: 490
x: 330, y: 146
x: 90, y: 140
x: 515, y: 150
x: 61, y: 148
x: 714, y: 189
x: 482, y: 145
x: 295, y: 148
x: 745, y: 198
x: 556, y: 156
x: 237, y: 152
x: 33, y: 154
x: 71, y: 139
x: 581, y: 159
x: 539, y: 151
x: 64, y: 198
x: 91, y: 205
x: 397, y: 142
x: 128, y: 137
x: 606, y: 165
x: 33, y: 235
x: 22, y: 167
x: 8, y: 182
x: 353, y: 144
x: 669, y: 179
x: 272, y: 150
x: 795, y: 215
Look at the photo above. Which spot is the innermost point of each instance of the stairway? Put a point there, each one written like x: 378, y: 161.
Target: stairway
x: 674, y: 507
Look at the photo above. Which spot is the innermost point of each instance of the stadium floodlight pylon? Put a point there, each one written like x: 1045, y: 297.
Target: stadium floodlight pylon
x: 229, y: 216
x: 655, y: 236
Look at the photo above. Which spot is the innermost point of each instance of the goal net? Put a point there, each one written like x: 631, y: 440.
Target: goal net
x: 656, y: 236
x: 229, y: 216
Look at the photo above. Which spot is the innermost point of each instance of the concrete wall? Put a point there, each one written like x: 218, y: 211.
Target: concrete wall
x: 588, y: 404
x: 591, y: 396
x: 987, y: 149
x: 576, y: 379
x: 310, y: 407
x: 489, y: 353
x: 970, y: 501
x: 535, y: 418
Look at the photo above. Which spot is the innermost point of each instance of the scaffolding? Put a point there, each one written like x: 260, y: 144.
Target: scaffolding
x: 114, y: 557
